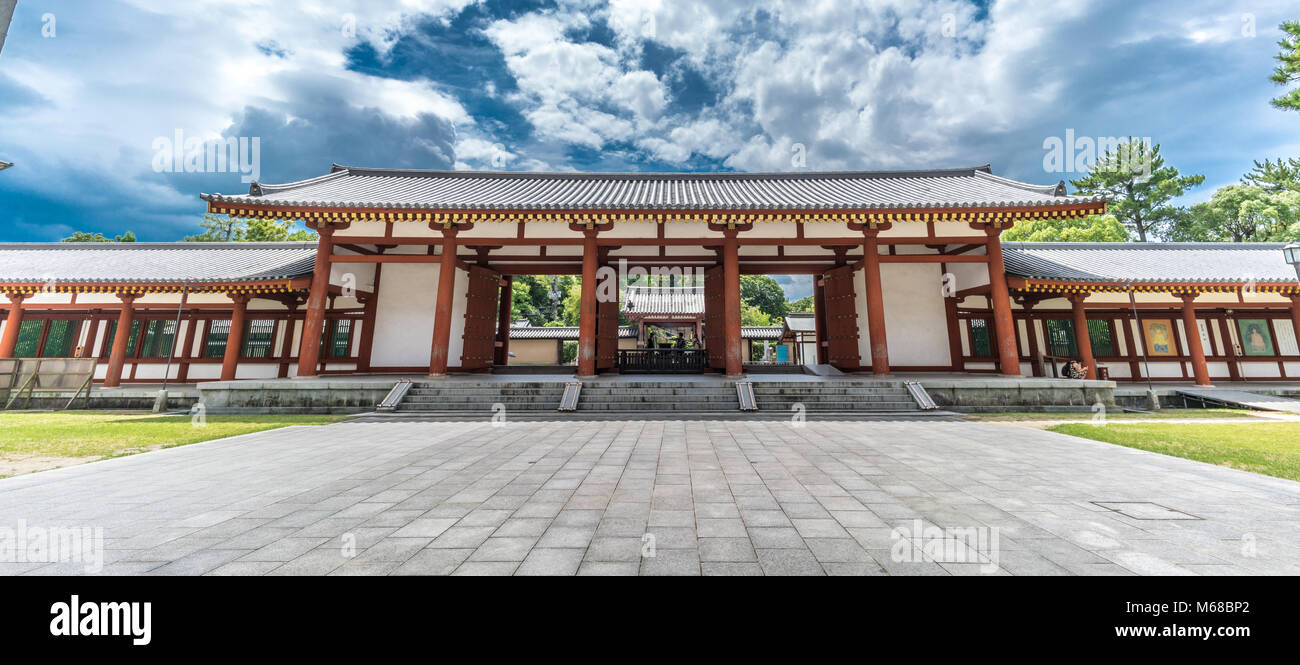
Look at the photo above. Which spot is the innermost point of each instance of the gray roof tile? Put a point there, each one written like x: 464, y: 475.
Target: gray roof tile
x: 650, y: 300
x: 349, y: 187
x: 559, y: 332
x: 1148, y: 262
x: 148, y: 262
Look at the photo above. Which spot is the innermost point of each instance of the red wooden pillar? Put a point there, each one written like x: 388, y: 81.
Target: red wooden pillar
x: 819, y: 317
x: 442, y: 310
x: 371, y: 304
x: 9, y: 340
x: 1082, y: 337
x: 286, y: 345
x: 88, y: 349
x: 501, y: 356
x: 1003, y: 324
x: 314, y: 321
x: 1031, y: 328
x: 117, y: 357
x: 234, y: 338
x: 1199, y: 368
x: 1295, y: 316
x: 731, y: 298
x: 587, y: 306
x: 875, y: 303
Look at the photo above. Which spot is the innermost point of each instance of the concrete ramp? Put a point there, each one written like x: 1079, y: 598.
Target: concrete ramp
x: 1241, y: 399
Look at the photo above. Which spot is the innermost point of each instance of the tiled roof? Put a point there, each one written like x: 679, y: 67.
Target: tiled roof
x: 800, y: 322
x: 762, y: 332
x: 1148, y: 262
x: 349, y: 187
x: 152, y: 262
x: 647, y: 300
x: 559, y: 332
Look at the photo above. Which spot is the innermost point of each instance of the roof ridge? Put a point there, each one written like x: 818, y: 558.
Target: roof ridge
x: 1054, y: 244
x: 656, y: 175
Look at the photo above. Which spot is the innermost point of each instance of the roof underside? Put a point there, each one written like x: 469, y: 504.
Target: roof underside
x: 193, y: 263
x: 1149, y: 263
x: 347, y: 187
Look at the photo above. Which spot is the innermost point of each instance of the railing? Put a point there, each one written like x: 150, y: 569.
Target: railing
x: 666, y: 361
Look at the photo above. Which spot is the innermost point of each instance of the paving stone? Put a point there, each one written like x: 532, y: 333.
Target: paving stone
x: 726, y: 549
x: 433, y: 562
x: 552, y: 562
x: 671, y: 563
x: 789, y: 562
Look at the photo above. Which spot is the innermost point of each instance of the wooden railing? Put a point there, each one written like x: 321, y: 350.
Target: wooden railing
x: 666, y: 361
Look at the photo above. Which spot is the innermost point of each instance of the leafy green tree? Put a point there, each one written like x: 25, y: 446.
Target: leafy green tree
x: 751, y: 315
x: 804, y: 304
x: 217, y: 229
x: 763, y: 293
x: 86, y: 236
x: 271, y: 230
x: 1288, y: 68
x: 1274, y: 177
x: 1241, y: 213
x: 1141, y: 187
x: 1093, y: 228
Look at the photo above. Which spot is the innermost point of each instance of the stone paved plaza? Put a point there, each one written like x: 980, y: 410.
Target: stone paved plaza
x: 696, y: 497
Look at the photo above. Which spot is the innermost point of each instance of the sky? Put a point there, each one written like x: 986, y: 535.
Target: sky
x: 94, y: 95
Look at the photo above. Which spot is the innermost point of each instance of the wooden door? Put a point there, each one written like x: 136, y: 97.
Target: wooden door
x: 480, y: 319
x: 841, y: 319
x: 715, y: 316
x: 606, y: 335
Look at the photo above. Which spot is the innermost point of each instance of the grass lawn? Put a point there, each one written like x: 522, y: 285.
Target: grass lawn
x: 1269, y: 448
x: 35, y: 441
x: 1164, y: 414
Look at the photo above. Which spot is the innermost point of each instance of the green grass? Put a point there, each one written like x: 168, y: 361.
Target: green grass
x: 109, y: 434
x: 1119, y: 415
x: 1269, y: 448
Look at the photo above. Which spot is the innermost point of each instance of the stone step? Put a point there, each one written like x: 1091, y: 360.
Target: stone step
x: 841, y: 406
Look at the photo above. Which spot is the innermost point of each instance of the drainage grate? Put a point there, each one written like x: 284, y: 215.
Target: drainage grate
x: 1145, y: 510
x: 569, y: 402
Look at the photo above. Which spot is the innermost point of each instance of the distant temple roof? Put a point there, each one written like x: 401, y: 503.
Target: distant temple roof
x: 368, y: 188
x: 1113, y: 262
x: 644, y: 301
x: 800, y: 322
x: 559, y: 332
x: 155, y: 262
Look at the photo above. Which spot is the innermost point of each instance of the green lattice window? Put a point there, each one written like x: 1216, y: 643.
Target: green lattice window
x: 981, y: 339
x: 158, y: 336
x: 112, y: 332
x: 29, y: 339
x: 60, y: 339
x: 214, y: 345
x: 258, y: 336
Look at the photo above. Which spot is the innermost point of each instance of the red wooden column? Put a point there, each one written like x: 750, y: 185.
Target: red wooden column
x: 442, y: 310
x: 1199, y: 368
x: 117, y: 357
x: 819, y: 317
x: 1082, y: 338
x: 731, y: 296
x: 1295, y: 315
x: 234, y: 338
x: 502, y: 354
x: 587, y: 305
x: 1003, y: 324
x: 286, y: 345
x: 314, y: 320
x: 9, y: 340
x: 875, y: 302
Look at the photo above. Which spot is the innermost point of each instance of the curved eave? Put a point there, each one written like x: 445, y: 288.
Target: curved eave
x: 269, y: 285
x: 1047, y: 285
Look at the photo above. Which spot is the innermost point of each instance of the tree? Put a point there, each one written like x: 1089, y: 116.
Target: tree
x: 1274, y: 177
x: 764, y: 293
x: 216, y: 229
x: 85, y: 236
x: 1288, y: 69
x: 1140, y: 186
x: 1241, y: 213
x: 804, y: 304
x: 231, y: 229
x: 270, y: 230
x: 1093, y: 228
x: 751, y: 315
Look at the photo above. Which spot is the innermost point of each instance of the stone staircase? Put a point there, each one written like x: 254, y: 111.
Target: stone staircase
x: 609, y: 399
x: 839, y: 397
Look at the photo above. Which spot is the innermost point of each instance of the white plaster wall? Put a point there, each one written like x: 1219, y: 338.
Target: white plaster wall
x: 1260, y: 370
x: 864, y: 332
x: 916, y: 323
x: 408, y: 294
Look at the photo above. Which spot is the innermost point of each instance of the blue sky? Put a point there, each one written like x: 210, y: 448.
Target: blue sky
x: 87, y: 89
